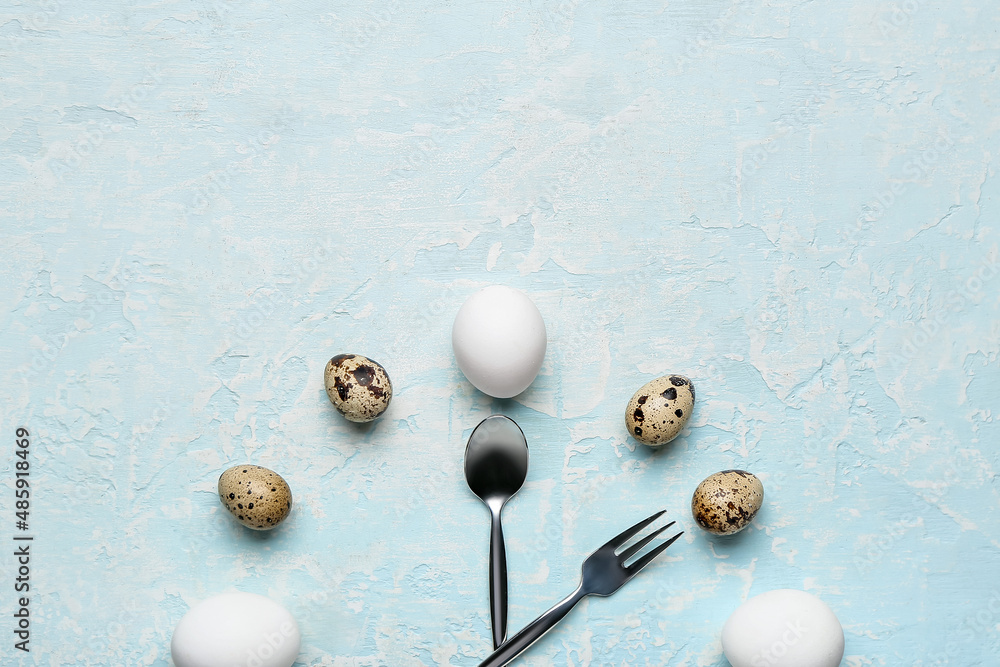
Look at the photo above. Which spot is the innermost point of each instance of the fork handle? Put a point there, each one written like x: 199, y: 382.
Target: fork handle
x: 532, y: 632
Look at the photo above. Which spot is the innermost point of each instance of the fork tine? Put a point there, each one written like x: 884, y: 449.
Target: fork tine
x: 634, y: 549
x: 626, y: 535
x: 644, y: 561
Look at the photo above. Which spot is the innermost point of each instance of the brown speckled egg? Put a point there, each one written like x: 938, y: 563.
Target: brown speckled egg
x: 259, y: 498
x: 725, y: 503
x: 358, y: 387
x: 660, y: 409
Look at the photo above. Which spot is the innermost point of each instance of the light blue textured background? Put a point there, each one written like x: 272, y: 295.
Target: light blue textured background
x: 794, y: 203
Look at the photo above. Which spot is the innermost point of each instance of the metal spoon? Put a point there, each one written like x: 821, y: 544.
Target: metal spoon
x: 496, y: 463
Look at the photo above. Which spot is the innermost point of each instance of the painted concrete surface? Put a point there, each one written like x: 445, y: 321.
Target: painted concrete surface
x: 792, y: 203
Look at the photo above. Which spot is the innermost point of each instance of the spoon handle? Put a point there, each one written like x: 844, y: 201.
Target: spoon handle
x: 498, y: 581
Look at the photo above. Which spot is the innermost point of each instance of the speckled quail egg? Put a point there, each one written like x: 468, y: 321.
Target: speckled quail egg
x: 725, y: 503
x: 259, y: 498
x: 660, y: 409
x: 358, y: 387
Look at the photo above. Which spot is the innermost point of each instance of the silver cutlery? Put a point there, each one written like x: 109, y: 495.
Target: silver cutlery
x: 496, y: 464
x: 604, y: 572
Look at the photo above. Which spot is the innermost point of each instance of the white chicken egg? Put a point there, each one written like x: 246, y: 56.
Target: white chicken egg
x: 236, y: 629
x: 499, y: 341
x: 783, y: 628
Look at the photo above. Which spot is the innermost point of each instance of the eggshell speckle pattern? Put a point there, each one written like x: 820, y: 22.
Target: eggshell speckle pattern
x: 725, y: 503
x: 259, y: 498
x: 660, y: 410
x: 358, y: 387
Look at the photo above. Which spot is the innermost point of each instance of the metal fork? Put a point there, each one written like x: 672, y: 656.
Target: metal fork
x: 604, y: 572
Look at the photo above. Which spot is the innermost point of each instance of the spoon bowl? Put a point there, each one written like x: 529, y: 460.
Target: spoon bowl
x: 496, y: 465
